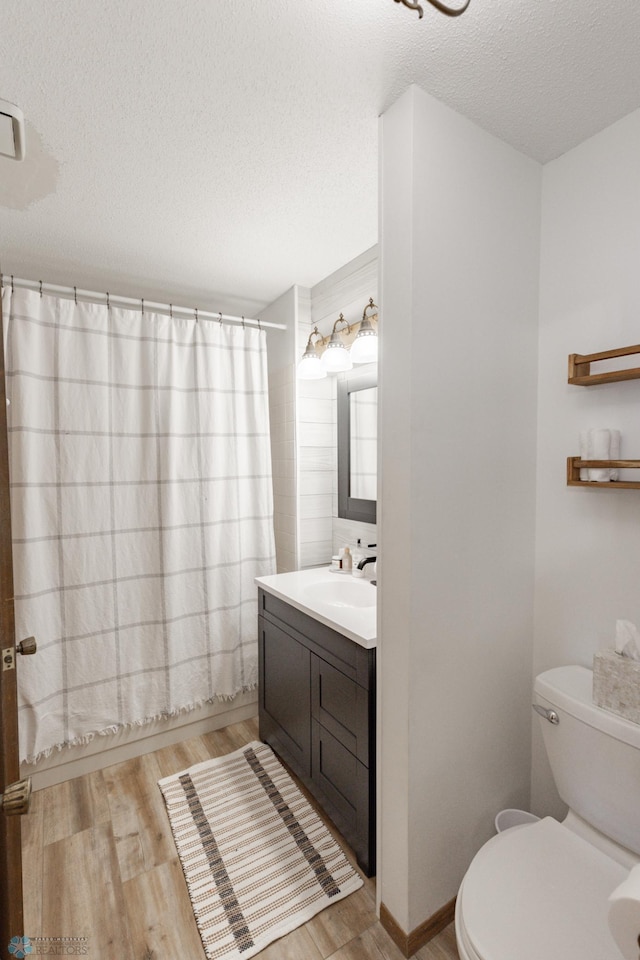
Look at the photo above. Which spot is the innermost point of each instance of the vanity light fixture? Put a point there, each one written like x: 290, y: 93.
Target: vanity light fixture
x: 448, y: 11
x: 332, y: 355
x: 336, y: 357
x: 364, y: 348
x: 311, y: 366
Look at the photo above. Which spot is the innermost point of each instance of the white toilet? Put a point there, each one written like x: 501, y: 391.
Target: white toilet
x: 540, y: 891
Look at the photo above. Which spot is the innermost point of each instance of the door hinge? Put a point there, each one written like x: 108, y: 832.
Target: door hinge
x: 8, y: 659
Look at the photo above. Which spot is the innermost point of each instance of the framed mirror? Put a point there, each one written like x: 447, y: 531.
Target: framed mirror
x: 358, y: 447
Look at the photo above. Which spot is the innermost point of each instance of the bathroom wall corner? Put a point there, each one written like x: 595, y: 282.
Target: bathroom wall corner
x: 281, y: 359
x: 460, y: 269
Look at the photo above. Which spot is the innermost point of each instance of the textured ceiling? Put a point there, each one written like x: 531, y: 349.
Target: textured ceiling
x: 216, y: 151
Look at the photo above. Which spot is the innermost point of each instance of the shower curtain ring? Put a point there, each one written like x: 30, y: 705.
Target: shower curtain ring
x: 142, y: 302
x: 12, y: 289
x: 40, y: 282
x: 108, y: 302
x: 243, y: 323
x: 171, y: 310
x: 75, y: 295
x: 195, y: 312
x: 220, y: 320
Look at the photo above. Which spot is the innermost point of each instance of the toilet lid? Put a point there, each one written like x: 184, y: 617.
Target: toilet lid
x: 540, y: 891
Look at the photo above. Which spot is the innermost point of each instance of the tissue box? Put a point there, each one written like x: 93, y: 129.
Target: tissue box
x: 616, y: 684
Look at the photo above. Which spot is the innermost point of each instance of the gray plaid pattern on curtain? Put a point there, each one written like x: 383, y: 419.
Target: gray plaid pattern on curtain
x: 142, y: 510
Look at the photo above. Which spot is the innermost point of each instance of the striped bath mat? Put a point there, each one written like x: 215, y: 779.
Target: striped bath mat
x: 257, y: 859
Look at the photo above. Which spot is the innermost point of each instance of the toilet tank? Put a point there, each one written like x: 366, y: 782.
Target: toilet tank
x: 594, y: 755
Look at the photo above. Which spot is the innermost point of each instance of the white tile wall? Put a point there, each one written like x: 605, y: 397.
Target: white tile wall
x: 286, y: 551
x: 320, y: 532
x: 313, y: 554
x: 281, y: 353
x: 283, y: 453
x: 318, y: 483
x: 317, y: 435
x: 303, y: 419
x: 313, y: 506
x: 314, y: 459
x: 316, y: 410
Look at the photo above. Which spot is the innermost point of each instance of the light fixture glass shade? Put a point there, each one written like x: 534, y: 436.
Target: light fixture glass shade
x: 364, y: 348
x: 311, y: 366
x: 336, y: 357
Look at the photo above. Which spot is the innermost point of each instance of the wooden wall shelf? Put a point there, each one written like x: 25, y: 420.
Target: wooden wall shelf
x: 580, y: 367
x: 574, y: 465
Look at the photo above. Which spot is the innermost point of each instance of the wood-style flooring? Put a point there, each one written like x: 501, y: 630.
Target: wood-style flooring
x: 99, y: 862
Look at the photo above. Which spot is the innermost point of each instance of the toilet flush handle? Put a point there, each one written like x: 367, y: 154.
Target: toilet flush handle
x: 549, y: 715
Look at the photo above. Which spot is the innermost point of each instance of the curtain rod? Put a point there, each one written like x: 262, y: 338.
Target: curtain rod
x: 92, y: 296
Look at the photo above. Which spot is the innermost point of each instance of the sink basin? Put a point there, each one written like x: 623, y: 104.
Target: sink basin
x: 343, y: 603
x: 343, y: 593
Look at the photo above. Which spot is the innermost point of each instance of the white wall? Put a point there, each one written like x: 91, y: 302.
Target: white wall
x: 587, y: 557
x: 317, y: 458
x: 460, y: 261
x: 281, y: 358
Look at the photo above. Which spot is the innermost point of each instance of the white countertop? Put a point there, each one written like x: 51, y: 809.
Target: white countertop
x: 335, y: 599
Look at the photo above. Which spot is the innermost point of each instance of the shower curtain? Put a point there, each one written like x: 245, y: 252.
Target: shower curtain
x: 141, y: 505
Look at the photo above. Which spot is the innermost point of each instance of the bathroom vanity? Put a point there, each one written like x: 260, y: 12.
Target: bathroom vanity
x: 317, y: 693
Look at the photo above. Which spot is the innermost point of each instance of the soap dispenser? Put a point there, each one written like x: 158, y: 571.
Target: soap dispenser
x: 347, y: 560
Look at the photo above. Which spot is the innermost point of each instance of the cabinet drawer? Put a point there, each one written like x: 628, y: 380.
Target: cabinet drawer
x: 345, y: 785
x: 341, y: 706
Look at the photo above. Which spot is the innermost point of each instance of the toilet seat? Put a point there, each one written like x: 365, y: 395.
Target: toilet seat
x: 538, y: 891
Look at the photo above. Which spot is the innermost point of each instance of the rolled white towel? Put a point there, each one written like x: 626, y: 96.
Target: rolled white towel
x: 598, y: 448
x: 624, y: 914
x: 614, y: 452
x: 584, y: 453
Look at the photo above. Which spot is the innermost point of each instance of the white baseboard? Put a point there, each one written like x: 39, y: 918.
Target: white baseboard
x: 132, y: 742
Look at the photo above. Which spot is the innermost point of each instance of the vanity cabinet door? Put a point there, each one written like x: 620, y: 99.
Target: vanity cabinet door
x: 285, y: 696
x: 341, y: 706
x: 344, y: 786
x: 340, y: 760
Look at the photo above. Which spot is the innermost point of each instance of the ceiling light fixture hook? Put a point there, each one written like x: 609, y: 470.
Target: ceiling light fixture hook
x: 443, y: 8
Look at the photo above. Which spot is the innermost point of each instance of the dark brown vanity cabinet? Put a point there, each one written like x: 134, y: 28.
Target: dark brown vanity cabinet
x: 317, y: 711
